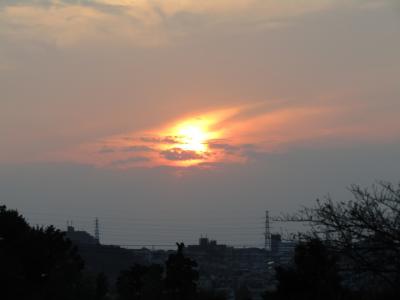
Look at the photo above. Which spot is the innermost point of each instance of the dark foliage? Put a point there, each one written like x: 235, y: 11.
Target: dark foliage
x: 210, y: 295
x: 101, y: 287
x: 36, y: 263
x: 148, y: 283
x: 314, y: 274
x: 366, y: 232
x: 140, y: 283
x: 364, y: 235
x: 181, y: 276
x: 243, y: 293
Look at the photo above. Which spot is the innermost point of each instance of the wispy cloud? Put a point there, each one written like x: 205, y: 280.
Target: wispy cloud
x: 106, y: 149
x: 176, y: 154
x: 139, y: 148
x: 128, y: 162
x: 140, y: 22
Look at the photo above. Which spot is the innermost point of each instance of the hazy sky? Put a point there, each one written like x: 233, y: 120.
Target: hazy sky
x: 294, y: 99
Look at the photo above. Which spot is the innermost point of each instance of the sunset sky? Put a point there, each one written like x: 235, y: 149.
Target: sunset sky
x: 194, y: 116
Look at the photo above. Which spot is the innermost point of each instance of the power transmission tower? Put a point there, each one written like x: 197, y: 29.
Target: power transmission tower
x: 267, y: 236
x: 97, y: 230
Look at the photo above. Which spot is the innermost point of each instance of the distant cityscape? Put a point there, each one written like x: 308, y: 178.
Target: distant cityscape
x: 351, y: 251
x: 221, y: 267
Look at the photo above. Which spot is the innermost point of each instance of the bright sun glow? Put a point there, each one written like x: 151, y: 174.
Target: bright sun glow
x: 200, y: 140
x: 192, y: 136
x: 205, y: 140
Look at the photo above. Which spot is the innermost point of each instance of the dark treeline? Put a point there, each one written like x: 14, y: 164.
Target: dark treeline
x: 40, y: 263
x: 352, y: 251
x: 175, y: 281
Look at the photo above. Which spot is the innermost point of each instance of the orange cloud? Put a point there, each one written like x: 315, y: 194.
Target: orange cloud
x: 233, y: 135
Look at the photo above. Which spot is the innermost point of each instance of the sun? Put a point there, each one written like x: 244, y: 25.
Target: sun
x: 192, y: 136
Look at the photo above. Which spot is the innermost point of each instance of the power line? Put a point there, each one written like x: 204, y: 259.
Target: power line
x: 239, y: 231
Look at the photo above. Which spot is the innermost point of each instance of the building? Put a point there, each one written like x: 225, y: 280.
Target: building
x: 80, y: 237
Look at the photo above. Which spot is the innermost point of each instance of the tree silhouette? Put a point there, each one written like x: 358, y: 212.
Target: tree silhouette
x: 181, y: 276
x: 36, y: 263
x: 101, y: 286
x: 140, y: 283
x: 243, y: 293
x: 211, y: 295
x: 153, y: 278
x: 365, y: 230
x: 314, y: 274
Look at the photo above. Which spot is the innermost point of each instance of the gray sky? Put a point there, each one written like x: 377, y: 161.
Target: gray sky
x: 300, y: 99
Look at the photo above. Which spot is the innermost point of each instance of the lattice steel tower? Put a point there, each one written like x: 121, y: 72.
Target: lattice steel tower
x: 267, y: 236
x: 97, y: 230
